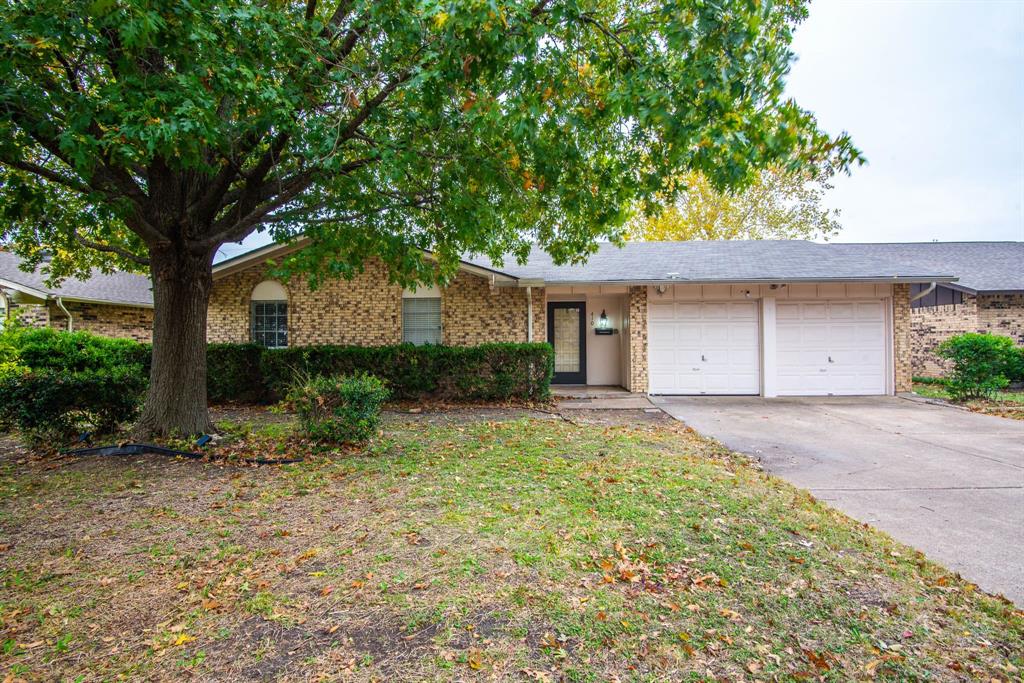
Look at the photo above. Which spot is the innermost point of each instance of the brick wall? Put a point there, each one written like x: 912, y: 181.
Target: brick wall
x: 932, y: 325
x: 540, y: 315
x: 473, y: 312
x: 638, y: 339
x: 1001, y: 314
x: 30, y: 315
x: 367, y: 310
x: 123, y: 322
x: 901, y: 328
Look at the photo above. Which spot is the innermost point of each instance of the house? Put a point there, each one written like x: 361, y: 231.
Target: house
x: 774, y: 318
x: 110, y: 304
x: 987, y: 297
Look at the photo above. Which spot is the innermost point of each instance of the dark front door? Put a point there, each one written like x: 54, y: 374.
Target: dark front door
x: 567, y: 334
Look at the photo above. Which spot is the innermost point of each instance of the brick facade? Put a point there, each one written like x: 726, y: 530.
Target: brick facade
x: 367, y: 310
x: 638, y: 339
x: 902, y: 338
x: 123, y: 322
x: 473, y: 312
x: 540, y: 315
x: 1001, y: 314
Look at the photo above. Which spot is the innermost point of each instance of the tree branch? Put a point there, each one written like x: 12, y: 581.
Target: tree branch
x: 111, y: 249
x: 48, y: 174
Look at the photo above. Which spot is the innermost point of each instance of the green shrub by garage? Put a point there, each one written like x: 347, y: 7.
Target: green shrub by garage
x: 983, y: 364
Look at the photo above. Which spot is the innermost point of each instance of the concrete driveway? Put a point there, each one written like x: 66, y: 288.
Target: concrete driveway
x: 943, y: 480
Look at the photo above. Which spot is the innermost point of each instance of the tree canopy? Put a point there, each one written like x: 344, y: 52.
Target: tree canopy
x: 146, y: 133
x: 776, y: 205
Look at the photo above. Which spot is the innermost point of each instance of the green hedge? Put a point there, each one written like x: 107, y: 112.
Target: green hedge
x: 45, y: 348
x: 233, y: 373
x: 249, y: 373
x: 476, y: 373
x: 51, y: 406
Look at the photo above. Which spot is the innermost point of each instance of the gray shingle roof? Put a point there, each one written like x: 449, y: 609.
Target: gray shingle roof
x: 115, y: 288
x: 721, y: 261
x: 980, y: 266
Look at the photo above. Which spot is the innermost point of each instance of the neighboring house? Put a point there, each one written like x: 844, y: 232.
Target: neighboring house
x: 987, y: 297
x: 114, y: 305
x: 773, y: 318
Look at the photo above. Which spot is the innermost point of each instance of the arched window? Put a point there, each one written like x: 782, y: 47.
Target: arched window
x: 421, y: 316
x: 269, y: 315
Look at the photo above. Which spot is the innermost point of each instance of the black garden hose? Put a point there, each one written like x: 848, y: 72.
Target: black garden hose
x: 144, y: 448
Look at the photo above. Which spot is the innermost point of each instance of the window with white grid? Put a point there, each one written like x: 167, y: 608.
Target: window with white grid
x: 421, y: 320
x: 270, y: 323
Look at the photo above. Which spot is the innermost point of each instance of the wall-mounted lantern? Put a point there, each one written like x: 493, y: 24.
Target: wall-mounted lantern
x: 603, y: 325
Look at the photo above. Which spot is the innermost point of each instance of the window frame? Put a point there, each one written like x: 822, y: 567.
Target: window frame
x: 427, y: 296
x: 279, y: 316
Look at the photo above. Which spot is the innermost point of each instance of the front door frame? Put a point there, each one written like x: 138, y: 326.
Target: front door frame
x: 579, y: 377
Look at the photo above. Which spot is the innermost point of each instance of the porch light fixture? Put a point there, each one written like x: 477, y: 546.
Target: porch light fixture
x: 603, y: 326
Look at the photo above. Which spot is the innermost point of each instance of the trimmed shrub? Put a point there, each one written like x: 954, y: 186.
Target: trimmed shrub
x: 1015, y: 365
x: 233, y: 373
x: 249, y: 373
x: 980, y: 363
x: 49, y: 349
x: 339, y: 409
x: 475, y: 373
x: 52, y: 406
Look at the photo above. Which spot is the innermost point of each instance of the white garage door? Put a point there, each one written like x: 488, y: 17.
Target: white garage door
x: 704, y: 348
x: 830, y: 348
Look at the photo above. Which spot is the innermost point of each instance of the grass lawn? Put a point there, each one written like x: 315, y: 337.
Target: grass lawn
x: 500, y: 548
x: 1006, y: 404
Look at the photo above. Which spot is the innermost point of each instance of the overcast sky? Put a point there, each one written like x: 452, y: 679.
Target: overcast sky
x: 933, y: 94
x: 932, y: 91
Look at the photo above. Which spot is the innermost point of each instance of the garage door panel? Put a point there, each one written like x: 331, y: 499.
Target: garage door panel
x: 661, y: 311
x: 787, y: 311
x: 746, y: 310
x: 706, y: 348
x: 870, y: 310
x: 832, y: 347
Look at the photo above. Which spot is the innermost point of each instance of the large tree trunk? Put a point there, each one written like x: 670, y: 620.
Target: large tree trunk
x: 176, y: 402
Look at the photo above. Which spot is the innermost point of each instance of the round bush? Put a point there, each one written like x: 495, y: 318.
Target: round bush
x: 340, y: 409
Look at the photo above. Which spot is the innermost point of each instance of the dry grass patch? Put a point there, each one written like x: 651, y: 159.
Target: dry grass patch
x: 523, y: 549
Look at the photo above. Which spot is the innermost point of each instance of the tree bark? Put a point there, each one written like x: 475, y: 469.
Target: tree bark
x: 176, y: 402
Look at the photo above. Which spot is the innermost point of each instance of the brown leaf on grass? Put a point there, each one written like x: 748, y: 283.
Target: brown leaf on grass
x: 475, y: 660
x: 326, y: 590
x: 818, y: 660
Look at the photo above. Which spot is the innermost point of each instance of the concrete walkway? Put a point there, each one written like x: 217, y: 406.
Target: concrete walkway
x: 943, y: 480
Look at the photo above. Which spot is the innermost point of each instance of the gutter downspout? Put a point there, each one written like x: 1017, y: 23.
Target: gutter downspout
x: 923, y: 294
x: 529, y: 314
x: 71, y: 322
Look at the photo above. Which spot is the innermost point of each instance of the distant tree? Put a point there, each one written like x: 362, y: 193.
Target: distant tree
x: 778, y: 204
x: 147, y: 133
